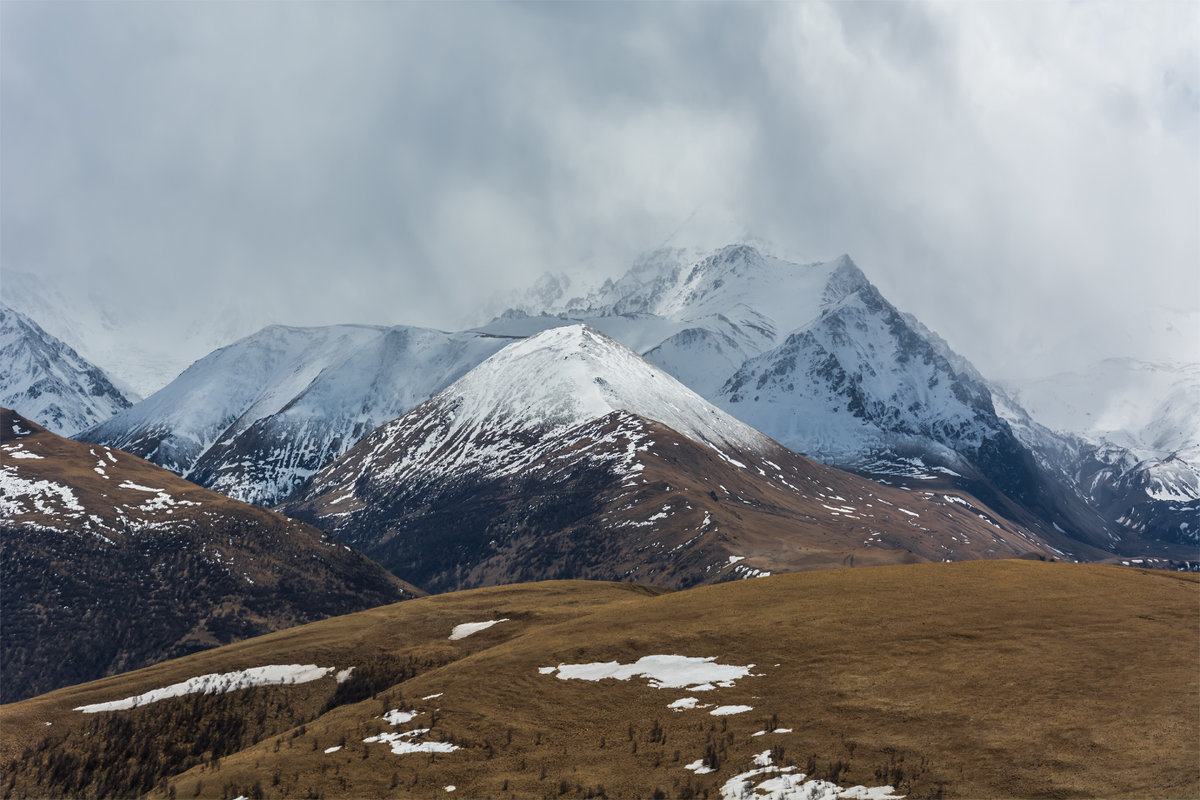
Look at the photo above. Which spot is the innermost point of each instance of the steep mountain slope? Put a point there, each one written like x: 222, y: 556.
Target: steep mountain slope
x: 254, y: 419
x: 49, y: 380
x: 567, y: 455
x: 111, y: 563
x: 984, y: 679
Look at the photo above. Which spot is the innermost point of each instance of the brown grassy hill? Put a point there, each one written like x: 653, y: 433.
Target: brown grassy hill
x: 111, y: 563
x: 978, y: 679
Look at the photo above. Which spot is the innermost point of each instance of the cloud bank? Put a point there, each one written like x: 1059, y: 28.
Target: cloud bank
x: 1023, y: 177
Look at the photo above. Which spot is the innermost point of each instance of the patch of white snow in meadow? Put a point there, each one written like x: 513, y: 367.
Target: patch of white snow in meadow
x: 777, y: 730
x: 127, y: 484
x: 344, y: 675
x: 433, y: 696
x: 402, y: 743
x: 698, y: 767
x: 688, y: 703
x: 398, y: 717
x: 724, y: 711
x: 23, y: 496
x: 333, y: 749
x: 219, y: 683
x: 787, y: 784
x: 467, y: 628
x: 662, y: 672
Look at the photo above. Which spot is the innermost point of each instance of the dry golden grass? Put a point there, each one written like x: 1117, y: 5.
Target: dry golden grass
x: 976, y: 679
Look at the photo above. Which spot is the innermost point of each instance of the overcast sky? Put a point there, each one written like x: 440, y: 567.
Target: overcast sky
x: 1024, y: 177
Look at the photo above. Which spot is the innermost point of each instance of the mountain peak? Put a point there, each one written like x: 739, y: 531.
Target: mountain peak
x: 845, y: 278
x: 566, y: 376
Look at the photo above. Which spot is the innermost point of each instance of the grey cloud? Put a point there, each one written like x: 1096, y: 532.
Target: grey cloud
x: 987, y: 164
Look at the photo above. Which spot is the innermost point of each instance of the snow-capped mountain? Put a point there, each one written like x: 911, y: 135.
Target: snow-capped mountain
x: 567, y: 455
x: 811, y: 354
x: 48, y: 381
x: 1128, y: 436
x: 816, y: 358
x: 111, y: 563
x: 253, y: 419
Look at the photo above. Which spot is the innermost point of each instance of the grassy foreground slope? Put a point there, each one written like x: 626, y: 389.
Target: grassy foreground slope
x: 974, y: 679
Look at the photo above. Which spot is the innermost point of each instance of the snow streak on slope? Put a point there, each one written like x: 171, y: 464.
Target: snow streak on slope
x: 49, y: 382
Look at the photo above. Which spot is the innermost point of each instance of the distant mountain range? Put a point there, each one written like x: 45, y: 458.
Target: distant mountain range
x: 111, y: 563
x: 566, y: 454
x: 811, y: 355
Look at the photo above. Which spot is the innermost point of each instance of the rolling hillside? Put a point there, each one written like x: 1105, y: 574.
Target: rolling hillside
x: 980, y: 679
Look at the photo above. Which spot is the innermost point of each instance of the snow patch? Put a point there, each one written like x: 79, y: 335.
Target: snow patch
x: 219, y: 683
x: 724, y: 711
x: 467, y: 628
x: 661, y: 671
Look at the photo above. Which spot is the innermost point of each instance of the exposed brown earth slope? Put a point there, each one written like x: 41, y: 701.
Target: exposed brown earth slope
x: 111, y: 563
x: 980, y: 679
